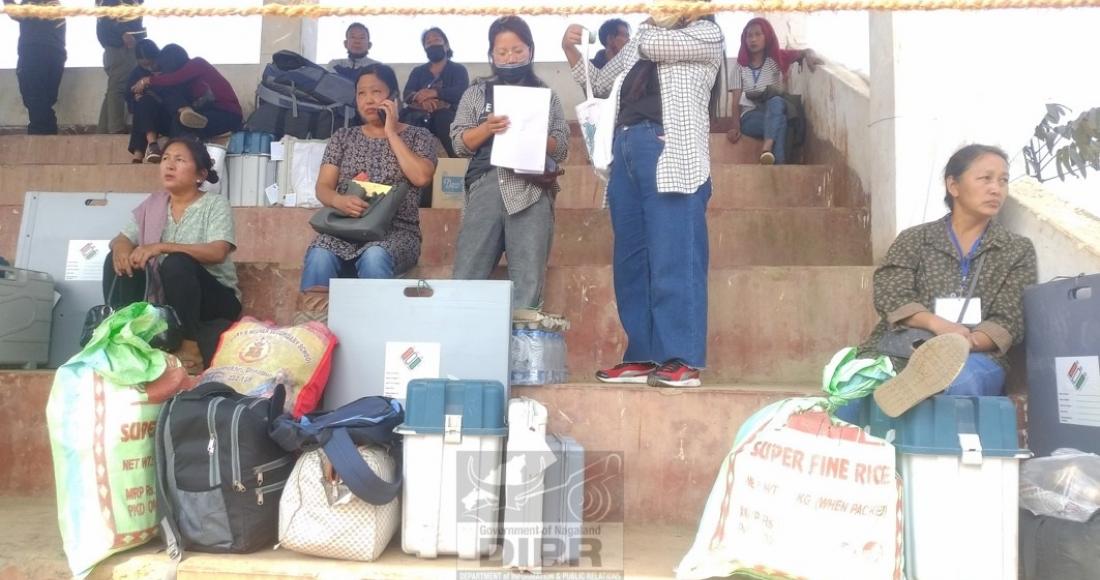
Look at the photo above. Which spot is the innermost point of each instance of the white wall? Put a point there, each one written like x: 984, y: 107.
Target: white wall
x: 1067, y: 240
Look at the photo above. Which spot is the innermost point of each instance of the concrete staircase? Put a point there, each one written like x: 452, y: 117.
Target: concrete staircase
x: 790, y: 283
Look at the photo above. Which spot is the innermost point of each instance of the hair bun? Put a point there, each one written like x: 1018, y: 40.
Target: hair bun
x: 212, y: 176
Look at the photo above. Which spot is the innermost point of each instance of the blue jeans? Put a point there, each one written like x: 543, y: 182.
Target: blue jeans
x: 981, y: 376
x: 769, y: 121
x: 322, y: 265
x: 661, y: 254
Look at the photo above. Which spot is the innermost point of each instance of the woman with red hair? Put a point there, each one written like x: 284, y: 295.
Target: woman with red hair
x: 757, y: 86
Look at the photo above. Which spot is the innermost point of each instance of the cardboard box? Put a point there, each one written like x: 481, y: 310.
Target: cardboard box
x: 449, y: 186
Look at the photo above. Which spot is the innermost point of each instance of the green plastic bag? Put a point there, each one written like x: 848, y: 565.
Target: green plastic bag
x: 847, y: 378
x: 102, y: 428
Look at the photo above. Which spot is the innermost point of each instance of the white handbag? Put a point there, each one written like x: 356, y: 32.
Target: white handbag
x: 597, y: 120
x: 321, y: 517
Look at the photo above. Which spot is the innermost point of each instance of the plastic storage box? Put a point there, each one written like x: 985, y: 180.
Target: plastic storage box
x: 453, y: 450
x: 959, y: 461
x: 26, y: 312
x: 544, y: 491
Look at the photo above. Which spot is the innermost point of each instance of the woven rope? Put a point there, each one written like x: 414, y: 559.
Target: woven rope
x: 294, y: 10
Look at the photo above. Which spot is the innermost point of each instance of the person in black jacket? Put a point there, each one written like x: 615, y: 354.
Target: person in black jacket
x: 118, y: 39
x: 39, y: 68
x: 435, y: 88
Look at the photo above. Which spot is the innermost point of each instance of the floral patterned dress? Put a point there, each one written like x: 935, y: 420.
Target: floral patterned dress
x: 353, y: 153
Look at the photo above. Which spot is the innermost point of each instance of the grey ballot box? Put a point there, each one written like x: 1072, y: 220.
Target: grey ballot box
x: 391, y: 331
x: 58, y: 236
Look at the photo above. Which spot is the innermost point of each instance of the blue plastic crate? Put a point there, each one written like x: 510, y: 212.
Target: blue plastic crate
x: 481, y: 404
x: 934, y: 425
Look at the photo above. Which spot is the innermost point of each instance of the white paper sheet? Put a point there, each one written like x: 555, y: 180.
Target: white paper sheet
x: 84, y: 260
x: 523, y: 146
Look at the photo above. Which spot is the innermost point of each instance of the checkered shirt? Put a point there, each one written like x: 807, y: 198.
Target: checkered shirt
x: 688, y: 60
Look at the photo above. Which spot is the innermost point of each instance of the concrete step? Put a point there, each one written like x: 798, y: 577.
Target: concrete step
x: 111, y: 150
x: 30, y: 549
x: 735, y: 186
x: 782, y: 236
x: 766, y: 325
x: 667, y: 438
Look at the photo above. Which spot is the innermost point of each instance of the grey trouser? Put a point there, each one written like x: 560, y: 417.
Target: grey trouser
x: 118, y: 63
x: 488, y: 231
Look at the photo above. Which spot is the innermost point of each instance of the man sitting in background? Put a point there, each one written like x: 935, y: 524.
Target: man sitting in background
x: 39, y: 68
x: 357, y: 42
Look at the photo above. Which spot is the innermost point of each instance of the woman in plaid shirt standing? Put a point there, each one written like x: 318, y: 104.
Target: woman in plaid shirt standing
x: 664, y: 82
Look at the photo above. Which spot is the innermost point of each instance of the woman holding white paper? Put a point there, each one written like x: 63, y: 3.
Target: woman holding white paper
x: 507, y: 212
x: 663, y: 83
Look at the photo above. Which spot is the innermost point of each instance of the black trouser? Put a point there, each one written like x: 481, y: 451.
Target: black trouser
x: 149, y: 115
x: 39, y: 71
x: 206, y: 308
x: 217, y: 120
x: 440, y: 126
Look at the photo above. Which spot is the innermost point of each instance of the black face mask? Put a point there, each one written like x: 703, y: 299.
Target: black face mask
x: 436, y: 52
x: 512, y: 73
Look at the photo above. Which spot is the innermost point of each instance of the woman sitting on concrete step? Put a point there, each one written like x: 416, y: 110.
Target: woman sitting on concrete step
x: 757, y: 83
x: 924, y: 282
x: 665, y: 79
x: 384, y: 151
x: 435, y: 88
x: 176, y: 252
x: 196, y: 97
x: 506, y: 213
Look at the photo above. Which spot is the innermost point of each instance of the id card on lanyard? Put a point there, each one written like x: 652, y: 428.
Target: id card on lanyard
x: 967, y: 309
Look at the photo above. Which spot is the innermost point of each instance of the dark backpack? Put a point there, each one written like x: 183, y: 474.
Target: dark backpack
x: 292, y: 73
x: 219, y: 474
x: 299, y: 98
x: 367, y: 421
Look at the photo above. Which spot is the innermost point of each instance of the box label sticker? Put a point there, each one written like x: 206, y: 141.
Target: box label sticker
x: 84, y: 260
x: 1078, y: 379
x: 406, y: 361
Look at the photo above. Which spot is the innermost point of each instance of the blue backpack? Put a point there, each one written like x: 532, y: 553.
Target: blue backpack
x: 367, y: 421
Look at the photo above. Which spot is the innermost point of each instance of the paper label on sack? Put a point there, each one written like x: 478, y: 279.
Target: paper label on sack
x: 406, y: 361
x: 803, y: 504
x: 84, y: 261
x: 1078, y: 390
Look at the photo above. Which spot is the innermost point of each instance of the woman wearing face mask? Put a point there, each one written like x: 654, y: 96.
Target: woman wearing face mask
x: 658, y: 192
x: 506, y: 213
x: 435, y: 88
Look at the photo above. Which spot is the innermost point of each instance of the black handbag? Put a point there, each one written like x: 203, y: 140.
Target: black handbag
x: 168, y: 341
x: 900, y: 342
x: 373, y: 226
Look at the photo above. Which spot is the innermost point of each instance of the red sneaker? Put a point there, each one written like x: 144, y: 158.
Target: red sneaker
x: 675, y: 373
x: 627, y: 372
